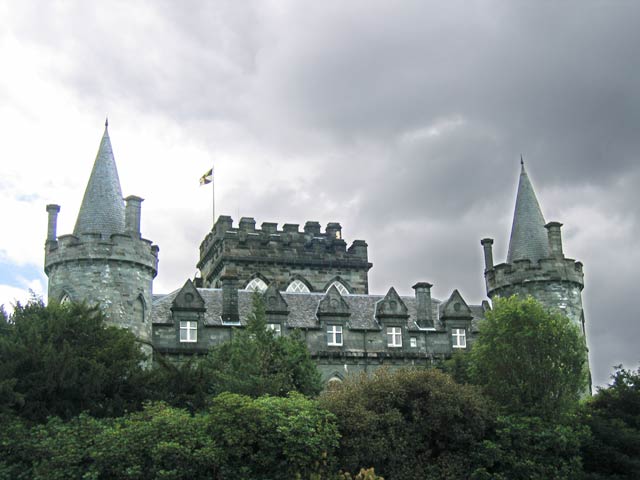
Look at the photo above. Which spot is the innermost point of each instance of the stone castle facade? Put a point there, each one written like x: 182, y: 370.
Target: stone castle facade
x: 310, y: 280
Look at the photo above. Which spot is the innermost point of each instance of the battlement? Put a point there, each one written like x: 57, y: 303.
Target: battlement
x: 92, y: 246
x: 291, y: 248
x: 524, y: 271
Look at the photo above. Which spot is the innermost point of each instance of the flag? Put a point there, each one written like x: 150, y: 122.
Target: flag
x: 207, y: 177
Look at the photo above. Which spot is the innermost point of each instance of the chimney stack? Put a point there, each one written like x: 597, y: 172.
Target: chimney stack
x: 555, y: 239
x: 132, y: 215
x: 230, y: 313
x: 488, y: 252
x: 52, y: 226
x: 423, y: 304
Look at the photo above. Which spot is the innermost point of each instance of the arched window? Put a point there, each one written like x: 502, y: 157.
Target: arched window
x: 138, y: 309
x: 297, y: 286
x: 65, y: 298
x: 340, y: 286
x: 256, y: 285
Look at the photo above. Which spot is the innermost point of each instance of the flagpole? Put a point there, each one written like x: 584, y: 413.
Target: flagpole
x: 213, y: 196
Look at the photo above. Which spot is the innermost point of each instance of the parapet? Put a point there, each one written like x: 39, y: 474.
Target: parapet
x: 290, y: 237
x: 524, y: 271
x: 93, y: 247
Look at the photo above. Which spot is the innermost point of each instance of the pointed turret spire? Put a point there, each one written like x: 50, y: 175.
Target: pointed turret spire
x: 102, y: 209
x: 529, y: 238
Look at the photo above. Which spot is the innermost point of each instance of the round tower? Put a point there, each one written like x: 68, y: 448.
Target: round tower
x: 105, y: 261
x: 535, y: 263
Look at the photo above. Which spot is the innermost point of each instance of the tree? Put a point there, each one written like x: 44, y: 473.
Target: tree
x: 61, y: 360
x: 279, y: 438
x: 613, y: 416
x: 529, y: 448
x: 255, y: 362
x: 529, y: 360
x: 408, y: 424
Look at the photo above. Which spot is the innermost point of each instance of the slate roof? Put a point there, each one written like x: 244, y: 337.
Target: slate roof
x: 102, y: 209
x: 528, y: 236
x: 302, y: 309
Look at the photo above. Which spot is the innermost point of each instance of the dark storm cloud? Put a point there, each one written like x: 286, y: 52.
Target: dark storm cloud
x: 410, y: 116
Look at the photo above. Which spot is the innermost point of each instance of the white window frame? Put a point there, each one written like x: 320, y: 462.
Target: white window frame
x: 276, y: 328
x: 256, y: 285
x: 394, y: 337
x: 413, y: 342
x: 459, y: 336
x: 334, y: 335
x: 190, y: 328
x: 340, y: 286
x: 297, y: 286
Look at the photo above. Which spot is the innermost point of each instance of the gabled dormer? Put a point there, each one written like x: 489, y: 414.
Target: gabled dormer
x: 274, y: 303
x: 333, y: 305
x: 188, y: 298
x: 391, y: 308
x: 456, y: 317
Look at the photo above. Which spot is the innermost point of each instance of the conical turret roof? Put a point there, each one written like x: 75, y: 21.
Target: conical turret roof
x: 528, y: 236
x: 102, y: 209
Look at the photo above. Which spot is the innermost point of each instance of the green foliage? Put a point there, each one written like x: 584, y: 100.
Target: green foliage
x: 255, y: 362
x: 613, y: 416
x: 272, y: 437
x: 408, y: 424
x: 529, y: 360
x: 528, y: 448
x: 364, y: 474
x: 236, y: 437
x: 62, y: 360
x: 183, y: 385
x: 458, y: 366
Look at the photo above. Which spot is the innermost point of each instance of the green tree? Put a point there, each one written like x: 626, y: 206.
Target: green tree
x: 613, y: 416
x: 408, y: 424
x: 61, y: 360
x: 529, y: 448
x: 256, y: 362
x: 529, y: 360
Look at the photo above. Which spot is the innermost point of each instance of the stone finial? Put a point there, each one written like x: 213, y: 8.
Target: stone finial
x: 52, y: 225
x: 555, y: 239
x: 488, y: 252
x: 132, y: 213
x: 423, y: 304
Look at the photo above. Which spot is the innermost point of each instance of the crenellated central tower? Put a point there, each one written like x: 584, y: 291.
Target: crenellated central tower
x: 105, y: 261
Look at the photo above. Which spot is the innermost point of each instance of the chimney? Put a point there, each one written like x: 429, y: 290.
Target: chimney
x: 423, y: 304
x: 555, y: 239
x: 52, y: 226
x: 230, y: 312
x: 488, y: 252
x: 132, y: 215
x: 334, y: 230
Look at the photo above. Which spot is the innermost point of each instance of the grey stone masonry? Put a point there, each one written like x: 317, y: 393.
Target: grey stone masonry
x: 315, y: 258
x: 366, y: 324
x: 116, y: 274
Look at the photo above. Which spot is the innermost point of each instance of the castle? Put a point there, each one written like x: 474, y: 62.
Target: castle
x: 310, y: 280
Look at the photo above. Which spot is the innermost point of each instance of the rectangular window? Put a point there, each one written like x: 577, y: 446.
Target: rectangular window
x: 394, y: 337
x: 414, y: 342
x: 276, y: 328
x: 188, y: 331
x: 459, y: 337
x: 334, y: 335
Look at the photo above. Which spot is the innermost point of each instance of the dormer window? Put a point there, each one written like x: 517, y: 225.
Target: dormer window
x: 297, y: 286
x: 394, y: 337
x: 256, y: 285
x: 340, y: 286
x: 188, y: 331
x: 459, y: 336
x: 334, y: 335
x: 276, y: 328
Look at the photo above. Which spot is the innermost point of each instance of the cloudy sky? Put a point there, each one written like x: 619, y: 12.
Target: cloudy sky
x: 404, y: 121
